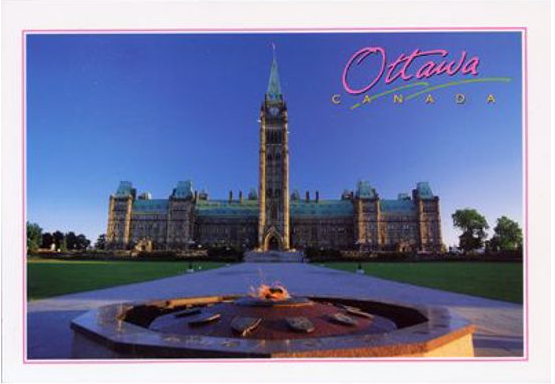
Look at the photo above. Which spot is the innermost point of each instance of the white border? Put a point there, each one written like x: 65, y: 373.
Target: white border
x: 273, y: 14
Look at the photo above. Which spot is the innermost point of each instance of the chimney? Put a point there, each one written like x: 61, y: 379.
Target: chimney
x: 230, y: 196
x: 307, y: 196
x: 240, y: 197
x: 317, y: 196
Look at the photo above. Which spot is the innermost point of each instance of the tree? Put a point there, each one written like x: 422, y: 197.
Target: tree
x: 101, y: 242
x: 82, y: 242
x: 473, y: 226
x: 59, y: 240
x: 34, y: 237
x: 71, y: 240
x: 508, y: 235
x: 47, y: 240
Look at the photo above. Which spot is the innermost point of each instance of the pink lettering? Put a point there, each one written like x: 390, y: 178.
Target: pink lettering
x: 361, y: 55
x: 471, y: 67
x: 406, y: 67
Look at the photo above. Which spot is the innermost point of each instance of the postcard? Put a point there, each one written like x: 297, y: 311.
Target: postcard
x: 350, y: 198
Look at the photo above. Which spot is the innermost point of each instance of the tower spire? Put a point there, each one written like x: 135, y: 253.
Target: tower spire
x: 274, y: 86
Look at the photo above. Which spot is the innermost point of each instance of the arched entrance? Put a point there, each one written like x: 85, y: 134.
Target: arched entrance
x: 273, y: 244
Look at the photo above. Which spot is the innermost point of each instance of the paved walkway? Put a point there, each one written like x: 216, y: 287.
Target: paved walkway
x: 500, y: 324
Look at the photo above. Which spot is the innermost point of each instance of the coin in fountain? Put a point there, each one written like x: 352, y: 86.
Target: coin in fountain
x: 300, y: 324
x: 205, y: 319
x: 343, y: 319
x: 245, y: 325
x: 358, y: 312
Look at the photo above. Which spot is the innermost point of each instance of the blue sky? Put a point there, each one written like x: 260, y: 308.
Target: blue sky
x: 156, y: 109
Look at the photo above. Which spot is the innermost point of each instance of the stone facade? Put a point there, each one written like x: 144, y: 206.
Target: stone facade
x: 273, y: 189
x: 272, y: 217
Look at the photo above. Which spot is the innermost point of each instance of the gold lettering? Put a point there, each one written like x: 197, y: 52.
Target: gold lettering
x: 366, y: 99
x: 336, y: 99
x: 430, y: 99
x: 491, y: 99
x: 397, y: 99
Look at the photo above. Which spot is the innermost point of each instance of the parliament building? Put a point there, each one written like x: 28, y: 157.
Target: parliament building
x: 272, y: 217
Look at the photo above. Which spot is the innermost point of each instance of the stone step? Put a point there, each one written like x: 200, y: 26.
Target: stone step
x: 273, y: 257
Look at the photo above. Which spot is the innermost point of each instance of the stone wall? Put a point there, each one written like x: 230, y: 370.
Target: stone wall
x: 370, y: 227
x: 332, y: 232
x: 224, y: 231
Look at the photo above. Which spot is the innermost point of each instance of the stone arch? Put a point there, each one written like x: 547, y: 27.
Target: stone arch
x: 273, y: 240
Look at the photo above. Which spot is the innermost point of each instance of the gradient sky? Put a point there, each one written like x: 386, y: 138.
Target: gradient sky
x: 156, y: 109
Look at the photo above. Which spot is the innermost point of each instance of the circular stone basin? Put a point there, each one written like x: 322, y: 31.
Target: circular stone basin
x: 273, y: 321
x: 242, y: 326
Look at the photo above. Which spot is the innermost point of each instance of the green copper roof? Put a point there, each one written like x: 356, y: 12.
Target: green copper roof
x: 125, y: 188
x: 223, y: 208
x: 274, y: 86
x: 424, y: 190
x: 249, y: 208
x: 184, y: 189
x: 253, y: 195
x: 398, y: 206
x: 330, y: 208
x: 403, y: 196
x: 150, y: 206
x: 365, y: 191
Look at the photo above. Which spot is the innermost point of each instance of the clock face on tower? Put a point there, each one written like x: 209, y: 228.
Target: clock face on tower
x: 274, y: 111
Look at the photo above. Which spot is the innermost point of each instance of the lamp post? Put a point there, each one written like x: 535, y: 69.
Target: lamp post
x: 360, y: 270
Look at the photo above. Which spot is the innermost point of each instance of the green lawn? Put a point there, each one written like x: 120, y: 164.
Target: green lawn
x: 500, y: 281
x: 46, y: 278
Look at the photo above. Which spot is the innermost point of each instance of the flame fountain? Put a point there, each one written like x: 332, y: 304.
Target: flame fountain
x: 269, y: 322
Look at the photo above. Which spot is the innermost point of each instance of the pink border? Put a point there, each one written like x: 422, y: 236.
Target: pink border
x: 524, y: 31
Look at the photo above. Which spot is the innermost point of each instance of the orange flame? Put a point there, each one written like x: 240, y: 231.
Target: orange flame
x: 267, y: 292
